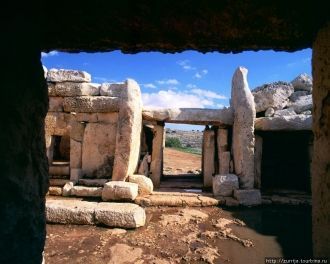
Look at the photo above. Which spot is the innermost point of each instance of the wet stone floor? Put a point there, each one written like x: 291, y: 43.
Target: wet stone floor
x: 188, y: 235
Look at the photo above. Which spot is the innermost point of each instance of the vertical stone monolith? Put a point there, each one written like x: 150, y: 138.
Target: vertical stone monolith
x: 156, y: 166
x: 208, y: 157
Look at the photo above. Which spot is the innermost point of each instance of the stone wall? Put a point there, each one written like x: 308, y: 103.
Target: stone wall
x: 91, y: 123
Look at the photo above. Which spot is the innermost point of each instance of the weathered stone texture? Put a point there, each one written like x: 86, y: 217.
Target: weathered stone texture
x: 68, y: 212
x: 91, y: 104
x: 67, y: 89
x: 119, y: 190
x: 56, y: 104
x: 128, y: 132
x: 302, y: 103
x: 98, y: 150
x: 303, y: 82
x: 224, y: 185
x: 208, y: 157
x: 295, y: 122
x: 77, y: 131
x: 83, y: 191
x: 257, y: 161
x: 125, y: 215
x: 156, y: 166
x: 273, y: 95
x: 190, y: 116
x: 321, y: 153
x: 285, y: 112
x: 144, y: 183
x: 243, y: 128
x: 61, y: 75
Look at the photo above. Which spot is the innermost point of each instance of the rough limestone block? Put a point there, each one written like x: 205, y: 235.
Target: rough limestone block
x: 75, y: 154
x: 77, y: 131
x: 61, y: 75
x: 57, y: 123
x: 84, y: 191
x: 119, y: 190
x: 107, y: 118
x: 208, y: 157
x: 144, y: 183
x: 275, y: 95
x: 67, y: 188
x: 56, y: 104
x: 224, y: 162
x: 75, y: 174
x: 128, y: 137
x: 248, y: 197
x: 297, y: 122
x: 55, y: 190
x: 156, y: 165
x: 303, y: 82
x: 58, y: 182
x: 98, y: 150
x: 224, y: 185
x: 297, y: 94
x: 144, y: 166
x: 112, y: 89
x: 86, y: 117
x: 67, y: 89
x: 303, y: 103
x: 91, y: 104
x: 270, y: 112
x: 45, y: 71
x: 124, y: 215
x: 285, y: 112
x: 70, y: 212
x: 243, y: 129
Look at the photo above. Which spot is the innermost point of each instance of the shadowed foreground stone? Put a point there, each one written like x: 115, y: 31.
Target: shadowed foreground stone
x: 248, y: 197
x: 224, y: 185
x: 74, y: 211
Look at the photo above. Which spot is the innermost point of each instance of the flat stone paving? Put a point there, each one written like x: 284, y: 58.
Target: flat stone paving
x: 77, y: 211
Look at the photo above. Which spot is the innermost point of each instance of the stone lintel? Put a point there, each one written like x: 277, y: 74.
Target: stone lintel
x: 194, y: 116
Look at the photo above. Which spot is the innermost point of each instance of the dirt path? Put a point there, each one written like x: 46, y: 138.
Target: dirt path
x: 185, y: 235
x: 179, y: 162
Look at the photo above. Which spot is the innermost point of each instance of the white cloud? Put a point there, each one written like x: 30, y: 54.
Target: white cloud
x: 201, y: 73
x: 208, y: 94
x: 104, y: 79
x: 149, y: 85
x: 168, y: 82
x: 174, y: 99
x: 49, y: 54
x: 198, y: 75
x: 190, y: 85
x: 185, y: 64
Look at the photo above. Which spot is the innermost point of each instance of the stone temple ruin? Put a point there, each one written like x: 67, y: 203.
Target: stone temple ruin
x: 101, y: 140
x: 136, y: 26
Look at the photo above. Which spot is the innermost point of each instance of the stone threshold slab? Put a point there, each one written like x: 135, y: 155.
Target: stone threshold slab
x: 176, y: 199
x: 76, y: 211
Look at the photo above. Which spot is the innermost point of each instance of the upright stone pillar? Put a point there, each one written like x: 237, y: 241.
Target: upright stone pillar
x: 128, y: 132
x: 257, y: 161
x: 223, y: 153
x: 23, y: 160
x: 321, y: 149
x: 158, y: 144
x: 242, y: 102
x: 208, y: 157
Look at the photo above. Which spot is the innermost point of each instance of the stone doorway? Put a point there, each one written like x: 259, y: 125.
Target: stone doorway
x: 286, y: 161
x: 182, y: 157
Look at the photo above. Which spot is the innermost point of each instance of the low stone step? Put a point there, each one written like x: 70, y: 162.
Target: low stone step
x: 86, y: 191
x: 58, y: 182
x: 55, y: 190
x: 176, y: 200
x: 93, y: 182
x: 75, y: 211
x: 59, y: 170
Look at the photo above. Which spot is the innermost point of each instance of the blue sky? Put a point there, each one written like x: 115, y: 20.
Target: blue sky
x: 187, y: 79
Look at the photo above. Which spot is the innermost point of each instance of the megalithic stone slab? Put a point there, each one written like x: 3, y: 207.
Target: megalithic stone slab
x: 63, y: 75
x: 128, y: 132
x: 242, y: 102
